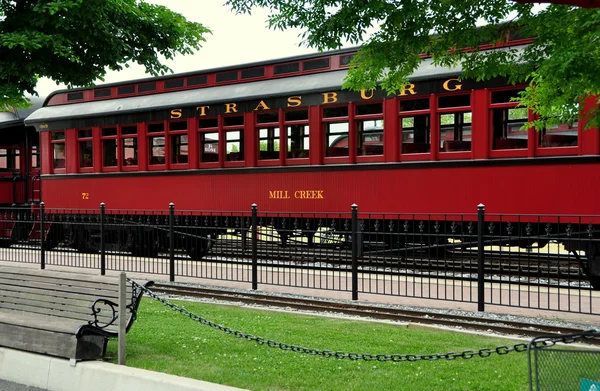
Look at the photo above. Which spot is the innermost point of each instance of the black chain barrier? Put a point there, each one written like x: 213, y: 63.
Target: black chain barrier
x: 466, y: 354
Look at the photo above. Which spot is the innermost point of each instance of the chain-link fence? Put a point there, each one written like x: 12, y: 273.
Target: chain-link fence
x: 553, y: 368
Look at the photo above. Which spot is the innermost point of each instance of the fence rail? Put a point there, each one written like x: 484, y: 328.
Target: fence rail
x: 543, y: 262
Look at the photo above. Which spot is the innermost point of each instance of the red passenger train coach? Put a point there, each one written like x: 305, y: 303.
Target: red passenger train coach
x: 284, y: 135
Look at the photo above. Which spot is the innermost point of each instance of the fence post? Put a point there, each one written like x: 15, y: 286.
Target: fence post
x: 102, y: 244
x: 354, y: 252
x: 480, y: 260
x: 122, y: 316
x: 171, y: 242
x: 42, y: 250
x: 254, y: 250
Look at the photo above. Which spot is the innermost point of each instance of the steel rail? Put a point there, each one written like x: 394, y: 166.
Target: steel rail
x: 402, y: 315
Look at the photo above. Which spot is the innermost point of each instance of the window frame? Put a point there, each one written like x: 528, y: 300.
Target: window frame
x: 54, y: 142
x: 80, y: 139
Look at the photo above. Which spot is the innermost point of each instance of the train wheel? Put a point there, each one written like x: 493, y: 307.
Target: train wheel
x: 83, y: 242
x: 591, y: 267
x: 198, y: 248
x: 145, y: 244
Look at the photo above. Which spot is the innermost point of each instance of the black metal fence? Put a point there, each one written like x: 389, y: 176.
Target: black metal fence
x: 542, y: 262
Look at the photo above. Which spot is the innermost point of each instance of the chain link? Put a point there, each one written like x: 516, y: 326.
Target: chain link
x: 539, y: 342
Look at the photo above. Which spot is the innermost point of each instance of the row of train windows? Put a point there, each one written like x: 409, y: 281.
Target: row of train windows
x: 454, y: 135
x: 169, y: 142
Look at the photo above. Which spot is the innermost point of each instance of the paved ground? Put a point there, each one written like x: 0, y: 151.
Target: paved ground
x: 10, y: 386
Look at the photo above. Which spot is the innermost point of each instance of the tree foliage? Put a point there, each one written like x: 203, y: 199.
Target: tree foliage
x: 76, y: 41
x: 562, y: 65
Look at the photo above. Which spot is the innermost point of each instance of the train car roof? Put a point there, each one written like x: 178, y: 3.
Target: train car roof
x: 262, y: 89
x: 17, y: 117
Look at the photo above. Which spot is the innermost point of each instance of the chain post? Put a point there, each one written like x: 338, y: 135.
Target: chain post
x: 354, y: 252
x: 480, y: 259
x: 102, y: 244
x: 171, y: 242
x: 254, y: 245
x: 42, y: 249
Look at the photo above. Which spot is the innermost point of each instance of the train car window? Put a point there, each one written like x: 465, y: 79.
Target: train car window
x: 209, y: 147
x: 414, y: 105
x: 296, y: 115
x: 126, y: 90
x: 146, y: 87
x: 268, y: 143
x: 454, y: 101
x: 375, y: 108
x: 286, y: 68
x: 109, y: 132
x: 86, y: 148
x: 336, y: 138
x: 237, y: 120
x: 10, y: 159
x: 130, y: 151
x: 234, y: 145
x: 75, y: 96
x: 345, y: 60
x: 129, y: 129
x: 176, y: 83
x: 128, y: 143
x: 267, y: 118
x: 252, y: 73
x: 505, y: 96
x: 58, y: 150
x: 335, y: 112
x: 156, y: 143
x: 416, y: 134
x: 226, y: 76
x: 156, y: 128
x: 179, y: 142
x: 102, y: 93
x: 455, y: 131
x: 454, y: 123
x: 370, y: 136
x: 58, y: 136
x: 298, y: 140
x: 369, y: 129
x: 561, y: 135
x: 208, y: 123
x: 311, y: 65
x: 110, y: 150
x: 197, y: 80
x: 35, y: 156
x: 415, y: 125
x: 179, y: 148
x: 156, y: 151
x: 507, y: 128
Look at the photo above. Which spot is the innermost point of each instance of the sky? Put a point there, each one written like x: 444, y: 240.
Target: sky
x: 236, y: 39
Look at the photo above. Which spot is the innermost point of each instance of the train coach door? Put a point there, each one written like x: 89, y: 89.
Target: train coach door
x: 32, y: 167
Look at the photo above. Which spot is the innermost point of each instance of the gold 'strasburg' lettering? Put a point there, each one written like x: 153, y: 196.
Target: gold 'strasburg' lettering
x: 328, y: 98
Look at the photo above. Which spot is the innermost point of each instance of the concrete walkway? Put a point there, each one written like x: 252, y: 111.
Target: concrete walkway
x: 20, y: 369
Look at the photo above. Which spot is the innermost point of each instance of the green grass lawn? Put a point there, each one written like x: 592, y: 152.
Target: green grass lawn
x: 166, y: 341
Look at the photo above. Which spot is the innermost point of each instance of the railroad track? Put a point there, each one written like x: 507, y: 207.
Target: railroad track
x: 401, y: 315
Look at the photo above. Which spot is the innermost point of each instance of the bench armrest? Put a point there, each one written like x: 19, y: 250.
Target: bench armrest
x: 102, y: 305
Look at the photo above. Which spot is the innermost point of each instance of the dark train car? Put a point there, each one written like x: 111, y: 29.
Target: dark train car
x: 19, y: 157
x: 285, y: 136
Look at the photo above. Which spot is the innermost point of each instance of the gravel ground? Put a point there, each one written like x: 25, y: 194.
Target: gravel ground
x: 482, y: 315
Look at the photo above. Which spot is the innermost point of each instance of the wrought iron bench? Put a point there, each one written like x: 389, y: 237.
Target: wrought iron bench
x: 62, y: 314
